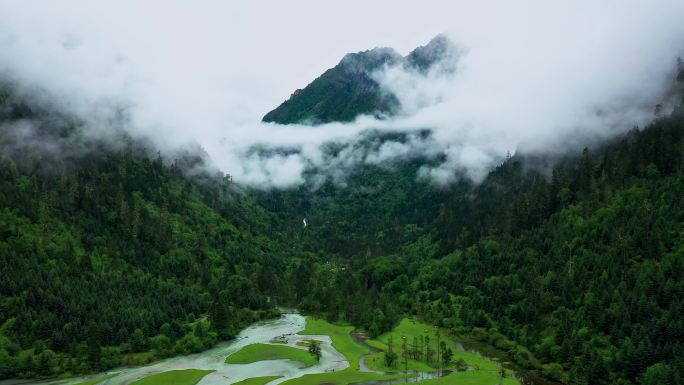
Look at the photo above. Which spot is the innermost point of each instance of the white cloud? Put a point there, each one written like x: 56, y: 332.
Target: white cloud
x: 533, y: 74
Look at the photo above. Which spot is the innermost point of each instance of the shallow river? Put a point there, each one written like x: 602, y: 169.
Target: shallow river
x: 214, y: 359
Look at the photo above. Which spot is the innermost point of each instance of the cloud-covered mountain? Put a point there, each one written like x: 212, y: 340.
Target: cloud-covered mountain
x: 353, y: 87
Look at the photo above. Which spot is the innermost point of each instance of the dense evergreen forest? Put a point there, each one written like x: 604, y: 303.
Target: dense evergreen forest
x: 113, y: 257
x: 117, y: 255
x: 576, y: 271
x: 578, y: 275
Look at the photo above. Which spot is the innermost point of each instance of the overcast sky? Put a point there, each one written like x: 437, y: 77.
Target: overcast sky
x: 207, y: 71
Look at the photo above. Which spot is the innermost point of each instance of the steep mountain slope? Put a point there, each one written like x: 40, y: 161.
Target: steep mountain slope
x: 577, y: 275
x: 351, y: 89
x: 109, y: 251
x: 113, y: 256
x: 373, y: 208
x: 440, y: 51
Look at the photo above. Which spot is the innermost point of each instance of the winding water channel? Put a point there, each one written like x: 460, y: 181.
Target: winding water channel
x: 412, y: 375
x: 214, y: 359
x: 287, y: 325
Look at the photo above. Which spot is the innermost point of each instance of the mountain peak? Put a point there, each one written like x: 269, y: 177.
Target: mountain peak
x: 436, y: 51
x: 350, y: 88
x: 365, y: 61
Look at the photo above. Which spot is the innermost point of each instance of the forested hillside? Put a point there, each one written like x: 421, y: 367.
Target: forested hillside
x: 113, y: 257
x: 578, y: 275
x: 111, y: 254
x: 576, y: 272
x: 371, y: 208
x: 352, y: 88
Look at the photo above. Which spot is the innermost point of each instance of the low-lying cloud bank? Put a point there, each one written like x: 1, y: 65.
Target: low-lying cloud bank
x: 536, y: 77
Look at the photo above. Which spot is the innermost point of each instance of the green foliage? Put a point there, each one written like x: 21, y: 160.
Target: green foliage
x: 660, y: 374
x: 583, y: 269
x: 553, y: 371
x: 97, y: 380
x: 340, y: 336
x: 390, y: 355
x: 262, y: 352
x: 343, y: 342
x: 116, y: 257
x: 176, y: 377
x: 111, y: 253
x: 352, y: 88
x: 258, y: 380
x: 470, y: 378
x: 340, y: 93
x: 315, y: 349
x: 578, y: 274
x: 422, y: 349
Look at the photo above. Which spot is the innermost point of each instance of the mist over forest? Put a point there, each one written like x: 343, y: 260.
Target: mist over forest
x: 447, y: 193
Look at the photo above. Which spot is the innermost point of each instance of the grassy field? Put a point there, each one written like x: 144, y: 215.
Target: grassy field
x: 307, y: 343
x: 376, y: 361
x: 486, y: 373
x: 343, y: 377
x: 97, y: 380
x: 341, y: 339
x: 343, y: 343
x: 411, y: 328
x: 265, y: 352
x: 478, y: 377
x: 174, y: 377
x: 257, y: 380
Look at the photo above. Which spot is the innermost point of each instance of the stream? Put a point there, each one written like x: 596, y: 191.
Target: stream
x: 287, y: 326
x: 411, y: 375
x: 214, y: 359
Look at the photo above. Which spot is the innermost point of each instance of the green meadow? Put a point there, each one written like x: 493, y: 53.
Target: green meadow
x: 343, y: 343
x: 174, y: 377
x: 265, y: 352
x: 477, y: 377
x: 257, y: 380
x: 411, y: 328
